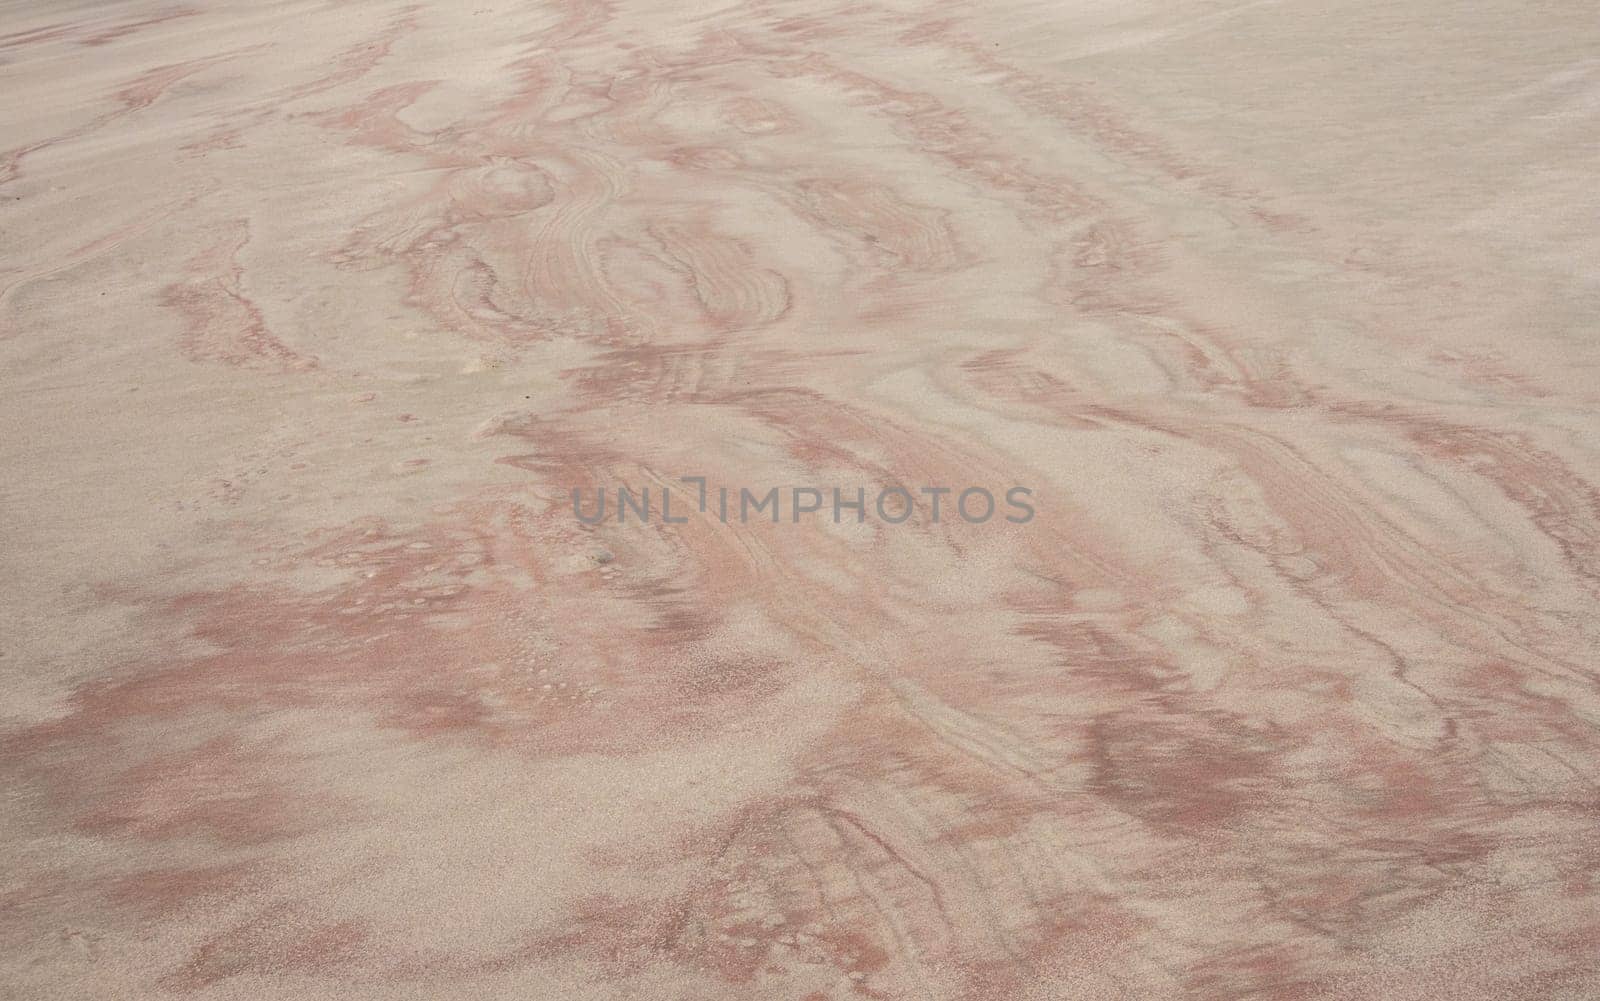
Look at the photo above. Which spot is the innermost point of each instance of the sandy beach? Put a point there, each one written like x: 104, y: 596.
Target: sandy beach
x: 1031, y: 500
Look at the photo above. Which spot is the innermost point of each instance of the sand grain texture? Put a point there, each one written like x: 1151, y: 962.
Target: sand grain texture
x: 312, y: 315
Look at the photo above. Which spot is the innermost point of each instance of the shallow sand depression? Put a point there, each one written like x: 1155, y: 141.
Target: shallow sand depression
x: 313, y: 317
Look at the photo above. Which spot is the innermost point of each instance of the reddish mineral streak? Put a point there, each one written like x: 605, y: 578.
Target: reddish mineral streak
x: 314, y: 315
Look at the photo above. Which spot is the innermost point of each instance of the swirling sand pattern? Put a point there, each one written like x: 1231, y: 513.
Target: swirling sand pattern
x: 312, y: 315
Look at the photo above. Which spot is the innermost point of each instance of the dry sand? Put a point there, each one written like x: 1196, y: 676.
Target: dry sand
x: 312, y: 315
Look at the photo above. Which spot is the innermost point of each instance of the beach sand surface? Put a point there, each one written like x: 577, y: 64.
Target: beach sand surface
x: 313, y: 315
